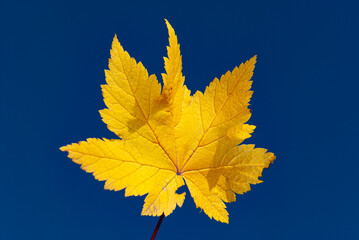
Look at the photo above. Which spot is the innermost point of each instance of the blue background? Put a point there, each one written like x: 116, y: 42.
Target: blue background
x: 305, y: 107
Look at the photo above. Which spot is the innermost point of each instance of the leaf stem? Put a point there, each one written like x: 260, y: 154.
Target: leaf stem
x: 157, y: 226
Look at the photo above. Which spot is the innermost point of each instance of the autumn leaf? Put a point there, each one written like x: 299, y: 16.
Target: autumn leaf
x: 169, y: 138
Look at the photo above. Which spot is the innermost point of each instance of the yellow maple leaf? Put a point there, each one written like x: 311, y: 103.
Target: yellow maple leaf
x: 169, y: 137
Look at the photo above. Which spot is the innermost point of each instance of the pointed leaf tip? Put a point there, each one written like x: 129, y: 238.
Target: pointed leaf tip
x: 254, y: 58
x: 63, y: 148
x: 171, y: 31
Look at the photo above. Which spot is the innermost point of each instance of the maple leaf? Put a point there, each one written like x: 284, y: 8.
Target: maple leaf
x: 170, y: 137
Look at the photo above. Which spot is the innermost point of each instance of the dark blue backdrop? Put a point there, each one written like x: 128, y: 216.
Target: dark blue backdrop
x: 304, y: 106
